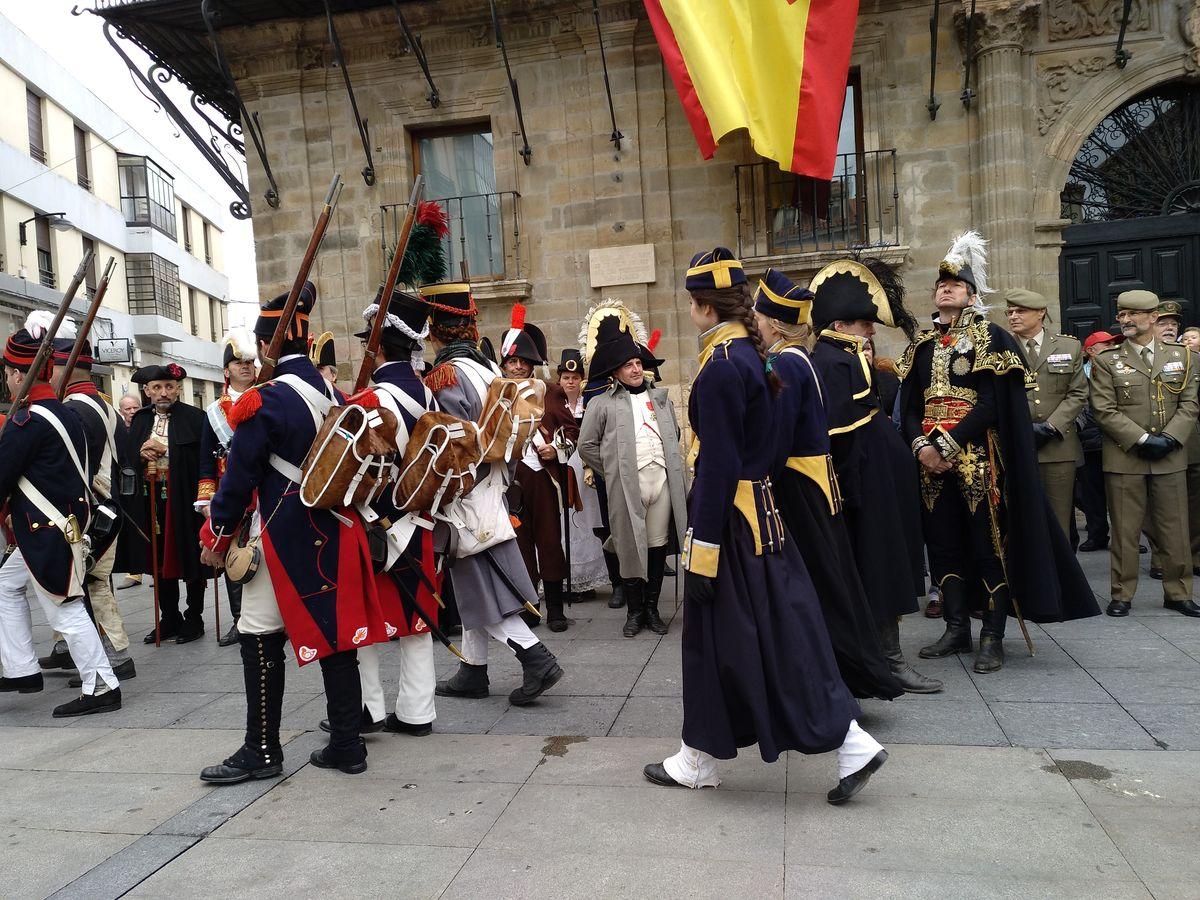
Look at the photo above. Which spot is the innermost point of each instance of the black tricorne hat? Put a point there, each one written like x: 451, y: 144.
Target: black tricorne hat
x: 269, y: 313
x: 169, y: 372
x: 615, y: 346
x: 571, y: 362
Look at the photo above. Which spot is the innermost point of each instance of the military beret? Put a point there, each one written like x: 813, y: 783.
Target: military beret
x: 1171, y: 308
x: 1025, y: 299
x: 1139, y: 301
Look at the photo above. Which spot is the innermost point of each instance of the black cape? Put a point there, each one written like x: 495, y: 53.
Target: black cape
x: 183, y: 480
x: 1044, y: 577
x: 878, y: 480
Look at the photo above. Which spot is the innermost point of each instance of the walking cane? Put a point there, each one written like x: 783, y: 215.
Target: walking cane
x: 152, y: 477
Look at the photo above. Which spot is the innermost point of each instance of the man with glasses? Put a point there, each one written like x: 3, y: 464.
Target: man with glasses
x: 1144, y: 397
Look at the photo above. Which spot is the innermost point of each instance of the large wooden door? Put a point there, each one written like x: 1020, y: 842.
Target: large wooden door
x: 1101, y: 259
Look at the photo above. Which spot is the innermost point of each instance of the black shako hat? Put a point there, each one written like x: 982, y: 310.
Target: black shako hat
x: 407, y: 320
x: 615, y: 346
x: 269, y: 313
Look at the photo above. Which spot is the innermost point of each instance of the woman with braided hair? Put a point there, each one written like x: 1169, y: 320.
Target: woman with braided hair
x: 758, y: 667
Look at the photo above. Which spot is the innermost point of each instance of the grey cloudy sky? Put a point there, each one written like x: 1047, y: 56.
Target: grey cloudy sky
x: 79, y: 46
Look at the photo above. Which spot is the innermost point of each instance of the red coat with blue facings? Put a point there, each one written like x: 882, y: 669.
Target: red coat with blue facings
x: 320, y: 567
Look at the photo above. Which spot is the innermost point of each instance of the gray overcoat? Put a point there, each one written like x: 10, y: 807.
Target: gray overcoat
x: 608, y: 446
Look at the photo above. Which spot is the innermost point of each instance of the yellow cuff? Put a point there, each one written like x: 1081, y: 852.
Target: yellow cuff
x: 207, y: 489
x: 700, y: 557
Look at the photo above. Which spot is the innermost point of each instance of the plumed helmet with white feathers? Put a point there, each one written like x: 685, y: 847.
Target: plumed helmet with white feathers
x: 967, y: 261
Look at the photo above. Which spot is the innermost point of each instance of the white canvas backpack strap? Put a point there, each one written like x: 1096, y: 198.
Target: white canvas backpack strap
x: 480, y: 377
x: 66, y: 439
x: 319, y: 403
x: 220, y: 425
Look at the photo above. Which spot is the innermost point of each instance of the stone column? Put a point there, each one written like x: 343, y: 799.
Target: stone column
x: 1004, y: 180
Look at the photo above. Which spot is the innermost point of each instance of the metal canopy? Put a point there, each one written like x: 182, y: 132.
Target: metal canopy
x: 174, y: 34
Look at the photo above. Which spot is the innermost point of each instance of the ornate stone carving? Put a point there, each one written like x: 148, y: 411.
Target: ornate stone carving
x: 1058, y: 82
x: 1005, y: 24
x: 1067, y: 20
x: 1189, y: 30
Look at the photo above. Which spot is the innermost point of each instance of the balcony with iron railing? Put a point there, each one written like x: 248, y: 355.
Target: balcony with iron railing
x: 782, y: 214
x: 485, y: 233
x: 84, y: 182
x: 46, y: 278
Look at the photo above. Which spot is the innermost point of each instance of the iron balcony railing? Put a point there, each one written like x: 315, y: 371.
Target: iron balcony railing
x: 46, y: 277
x: 782, y: 213
x: 485, y: 232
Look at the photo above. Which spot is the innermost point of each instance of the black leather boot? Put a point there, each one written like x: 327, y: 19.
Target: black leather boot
x: 911, y: 680
x: 617, y: 600
x: 555, y: 619
x: 470, y: 682
x: 539, y: 669
x: 346, y: 750
x: 990, y: 657
x: 261, y: 755
x: 635, y: 606
x: 957, y: 636
x: 656, y: 564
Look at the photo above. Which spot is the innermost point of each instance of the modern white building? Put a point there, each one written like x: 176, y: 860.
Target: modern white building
x: 63, y: 151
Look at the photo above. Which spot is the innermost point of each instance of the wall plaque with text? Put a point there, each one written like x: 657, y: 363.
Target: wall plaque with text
x: 622, y: 265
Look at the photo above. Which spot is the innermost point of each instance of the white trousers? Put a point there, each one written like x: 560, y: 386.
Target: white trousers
x: 656, y: 499
x: 71, y: 620
x: 414, y: 699
x: 260, y: 609
x: 696, y: 769
x: 475, y: 640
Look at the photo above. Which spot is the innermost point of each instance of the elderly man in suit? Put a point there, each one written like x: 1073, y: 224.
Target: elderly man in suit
x: 1144, y: 397
x: 1058, y: 390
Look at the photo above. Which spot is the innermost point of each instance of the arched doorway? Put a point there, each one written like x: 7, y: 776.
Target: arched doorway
x: 1133, y: 197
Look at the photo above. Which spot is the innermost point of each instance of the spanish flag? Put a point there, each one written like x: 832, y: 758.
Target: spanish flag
x: 775, y: 67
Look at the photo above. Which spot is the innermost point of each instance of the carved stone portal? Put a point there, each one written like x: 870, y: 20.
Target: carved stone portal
x: 1068, y: 20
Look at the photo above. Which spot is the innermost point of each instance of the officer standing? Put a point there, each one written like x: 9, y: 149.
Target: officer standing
x: 1058, y: 390
x: 1144, y: 397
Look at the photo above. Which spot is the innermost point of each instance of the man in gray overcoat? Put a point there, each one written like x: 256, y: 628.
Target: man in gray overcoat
x: 630, y: 437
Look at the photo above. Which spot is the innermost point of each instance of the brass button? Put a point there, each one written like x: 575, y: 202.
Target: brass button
x: 35, y: 526
x: 1038, y: 402
x: 1127, y: 384
x: 317, y: 543
x: 1153, y: 430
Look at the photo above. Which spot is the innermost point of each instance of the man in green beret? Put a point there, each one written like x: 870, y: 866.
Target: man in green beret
x: 1144, y: 396
x: 1057, y: 391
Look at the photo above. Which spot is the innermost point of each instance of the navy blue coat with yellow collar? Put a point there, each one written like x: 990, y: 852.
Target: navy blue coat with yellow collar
x: 31, y: 447
x: 320, y: 567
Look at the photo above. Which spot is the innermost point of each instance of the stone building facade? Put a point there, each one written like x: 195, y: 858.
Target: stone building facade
x: 1045, y: 73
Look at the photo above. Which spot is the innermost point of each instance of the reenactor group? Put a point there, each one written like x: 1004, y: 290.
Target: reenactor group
x: 427, y: 496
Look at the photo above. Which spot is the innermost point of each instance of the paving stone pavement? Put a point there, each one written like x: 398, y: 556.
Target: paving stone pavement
x: 1068, y: 774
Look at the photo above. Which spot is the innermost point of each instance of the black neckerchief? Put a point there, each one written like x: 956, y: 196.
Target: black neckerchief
x: 640, y: 389
x: 461, y: 350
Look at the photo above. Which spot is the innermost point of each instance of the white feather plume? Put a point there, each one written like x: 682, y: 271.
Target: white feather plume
x: 38, y: 322
x: 970, y: 249
x: 244, y: 345
x: 606, y: 307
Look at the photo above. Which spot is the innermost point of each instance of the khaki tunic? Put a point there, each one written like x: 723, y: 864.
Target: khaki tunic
x: 1058, y: 394
x: 1131, y: 400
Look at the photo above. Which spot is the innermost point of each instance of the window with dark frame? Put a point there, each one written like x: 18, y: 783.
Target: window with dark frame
x: 147, y: 194
x: 459, y: 169
x: 213, y: 315
x: 82, y: 176
x: 152, y: 284
x: 191, y: 294
x: 89, y: 276
x: 207, y: 244
x: 45, y: 255
x: 187, y: 227
x: 780, y: 212
x: 37, y: 134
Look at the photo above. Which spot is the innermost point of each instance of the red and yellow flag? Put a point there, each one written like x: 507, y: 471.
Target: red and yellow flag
x: 775, y: 67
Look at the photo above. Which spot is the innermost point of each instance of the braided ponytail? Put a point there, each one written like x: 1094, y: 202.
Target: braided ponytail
x: 736, y: 303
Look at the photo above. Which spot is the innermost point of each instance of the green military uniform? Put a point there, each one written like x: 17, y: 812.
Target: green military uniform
x: 1193, y: 494
x: 1057, y: 391
x: 1136, y: 401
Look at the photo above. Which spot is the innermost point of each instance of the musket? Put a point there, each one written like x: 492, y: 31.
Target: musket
x: 81, y: 335
x: 271, y: 358
x: 389, y: 284
x: 47, y: 345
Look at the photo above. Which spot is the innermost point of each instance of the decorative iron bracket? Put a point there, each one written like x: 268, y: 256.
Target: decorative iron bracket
x: 1123, y: 55
x: 151, y: 82
x: 364, y: 135
x: 933, y: 105
x: 250, y: 123
x: 415, y: 48
x: 616, y: 135
x: 525, y: 151
x: 967, y: 94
